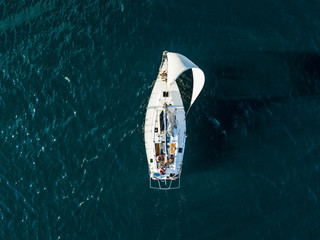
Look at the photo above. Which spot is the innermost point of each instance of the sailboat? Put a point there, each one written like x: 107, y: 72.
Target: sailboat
x: 165, y: 122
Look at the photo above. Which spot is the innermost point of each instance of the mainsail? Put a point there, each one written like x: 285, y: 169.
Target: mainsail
x: 178, y: 64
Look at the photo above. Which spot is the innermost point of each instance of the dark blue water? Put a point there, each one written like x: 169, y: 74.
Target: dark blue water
x: 75, y: 78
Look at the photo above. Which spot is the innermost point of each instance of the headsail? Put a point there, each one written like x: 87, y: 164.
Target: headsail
x: 178, y: 64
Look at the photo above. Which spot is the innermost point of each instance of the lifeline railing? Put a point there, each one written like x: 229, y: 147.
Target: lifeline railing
x: 165, y: 184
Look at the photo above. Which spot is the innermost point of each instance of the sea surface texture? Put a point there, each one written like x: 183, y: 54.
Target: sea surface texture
x: 75, y: 79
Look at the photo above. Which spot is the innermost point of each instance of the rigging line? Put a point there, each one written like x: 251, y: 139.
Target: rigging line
x: 188, y: 111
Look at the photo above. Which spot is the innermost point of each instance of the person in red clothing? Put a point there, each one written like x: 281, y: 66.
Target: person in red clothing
x: 163, y: 171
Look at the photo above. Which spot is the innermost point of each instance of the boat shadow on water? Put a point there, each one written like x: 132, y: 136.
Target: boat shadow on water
x: 237, y: 98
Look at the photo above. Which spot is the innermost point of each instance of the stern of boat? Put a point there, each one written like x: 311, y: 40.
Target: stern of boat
x: 165, y: 183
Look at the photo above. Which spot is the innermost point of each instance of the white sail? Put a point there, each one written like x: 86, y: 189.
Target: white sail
x: 178, y: 64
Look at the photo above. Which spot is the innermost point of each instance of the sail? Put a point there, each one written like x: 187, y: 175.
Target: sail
x: 178, y: 64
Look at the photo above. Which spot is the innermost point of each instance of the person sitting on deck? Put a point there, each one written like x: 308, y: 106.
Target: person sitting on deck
x: 163, y: 171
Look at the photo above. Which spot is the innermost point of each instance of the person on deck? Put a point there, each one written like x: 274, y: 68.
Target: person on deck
x: 163, y: 171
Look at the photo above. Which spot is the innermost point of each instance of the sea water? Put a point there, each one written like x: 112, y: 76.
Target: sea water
x: 75, y: 79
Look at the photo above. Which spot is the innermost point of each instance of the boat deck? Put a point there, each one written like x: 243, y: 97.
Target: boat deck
x: 165, y: 128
